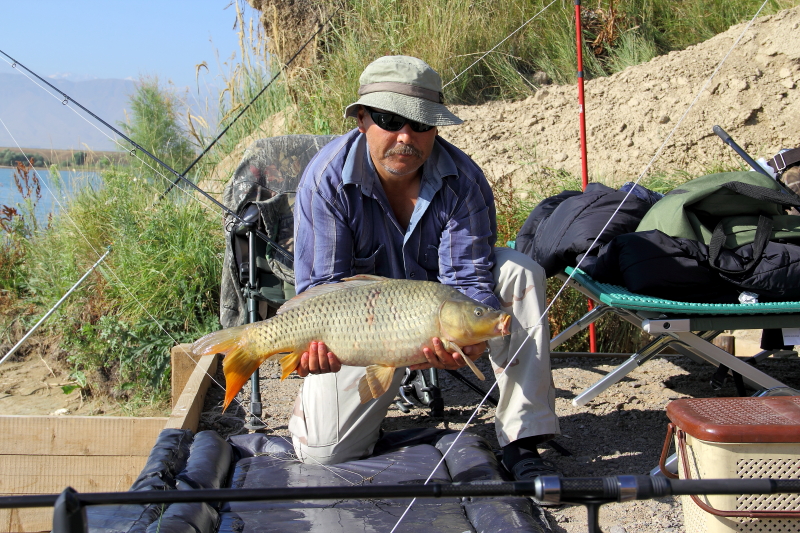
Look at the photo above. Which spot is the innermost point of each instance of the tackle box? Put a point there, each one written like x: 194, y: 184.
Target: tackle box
x: 738, y: 438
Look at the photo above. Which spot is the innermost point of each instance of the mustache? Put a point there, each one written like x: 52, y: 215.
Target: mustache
x: 403, y: 149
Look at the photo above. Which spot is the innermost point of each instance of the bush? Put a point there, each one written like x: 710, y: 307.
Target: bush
x: 154, y: 125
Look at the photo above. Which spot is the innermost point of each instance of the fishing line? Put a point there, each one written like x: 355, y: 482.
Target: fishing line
x: 594, y: 243
x: 132, y: 153
x: 498, y: 44
x: 67, y: 99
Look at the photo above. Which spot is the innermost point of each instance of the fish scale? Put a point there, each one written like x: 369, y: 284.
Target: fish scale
x: 366, y: 321
x: 385, y: 323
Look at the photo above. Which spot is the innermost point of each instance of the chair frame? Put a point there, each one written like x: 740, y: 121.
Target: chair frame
x: 688, y: 334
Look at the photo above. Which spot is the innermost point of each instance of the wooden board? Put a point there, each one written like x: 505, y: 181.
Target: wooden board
x: 186, y: 413
x: 182, y: 364
x: 42, y: 474
x: 44, y: 455
x: 31, y: 520
x: 78, y: 435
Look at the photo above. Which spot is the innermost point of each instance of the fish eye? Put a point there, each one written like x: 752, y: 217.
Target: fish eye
x: 478, y: 311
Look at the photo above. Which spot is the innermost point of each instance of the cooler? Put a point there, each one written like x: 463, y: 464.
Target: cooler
x: 742, y: 438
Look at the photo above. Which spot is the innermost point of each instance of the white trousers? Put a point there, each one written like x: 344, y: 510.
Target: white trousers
x: 329, y: 424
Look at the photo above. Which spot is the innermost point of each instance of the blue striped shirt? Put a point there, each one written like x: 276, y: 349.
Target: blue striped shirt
x: 344, y: 225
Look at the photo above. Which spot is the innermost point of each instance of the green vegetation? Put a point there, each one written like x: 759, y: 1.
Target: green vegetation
x: 10, y: 158
x: 159, y: 286
x: 154, y: 126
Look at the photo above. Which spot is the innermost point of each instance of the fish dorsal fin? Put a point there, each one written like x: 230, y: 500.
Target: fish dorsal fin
x: 348, y: 283
x: 366, y: 277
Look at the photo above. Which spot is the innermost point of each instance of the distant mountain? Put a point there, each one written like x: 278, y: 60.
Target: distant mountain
x: 38, y: 120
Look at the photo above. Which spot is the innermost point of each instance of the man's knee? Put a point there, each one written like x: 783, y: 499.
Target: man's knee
x: 513, y: 264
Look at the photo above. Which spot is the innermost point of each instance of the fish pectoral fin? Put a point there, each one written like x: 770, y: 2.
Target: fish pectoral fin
x: 453, y: 346
x: 375, y: 382
x: 289, y: 363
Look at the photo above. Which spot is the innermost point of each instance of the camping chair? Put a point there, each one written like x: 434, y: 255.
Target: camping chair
x: 262, y: 192
x: 688, y: 328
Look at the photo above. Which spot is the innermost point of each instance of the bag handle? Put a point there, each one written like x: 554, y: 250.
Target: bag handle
x: 763, y: 234
x: 763, y: 193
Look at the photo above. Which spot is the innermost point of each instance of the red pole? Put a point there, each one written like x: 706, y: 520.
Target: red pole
x: 582, y: 122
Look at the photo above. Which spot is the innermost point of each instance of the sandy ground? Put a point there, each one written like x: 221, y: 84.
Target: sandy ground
x: 32, y: 385
x: 647, y: 110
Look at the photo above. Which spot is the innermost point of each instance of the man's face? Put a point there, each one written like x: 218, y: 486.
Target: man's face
x: 396, y: 154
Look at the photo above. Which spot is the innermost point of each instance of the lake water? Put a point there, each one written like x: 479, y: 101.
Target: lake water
x: 72, y: 180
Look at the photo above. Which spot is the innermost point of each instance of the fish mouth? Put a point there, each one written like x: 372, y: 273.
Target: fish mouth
x: 505, y: 326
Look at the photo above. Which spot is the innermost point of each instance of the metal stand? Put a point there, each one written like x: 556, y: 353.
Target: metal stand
x: 417, y: 390
x: 253, y: 296
x: 69, y: 515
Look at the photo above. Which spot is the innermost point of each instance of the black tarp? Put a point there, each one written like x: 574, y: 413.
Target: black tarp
x: 180, y: 462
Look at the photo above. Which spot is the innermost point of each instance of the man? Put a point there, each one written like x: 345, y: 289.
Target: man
x: 392, y: 198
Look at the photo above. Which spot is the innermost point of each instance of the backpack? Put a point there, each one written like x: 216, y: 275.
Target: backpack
x: 261, y: 191
x: 563, y: 227
x: 730, y: 233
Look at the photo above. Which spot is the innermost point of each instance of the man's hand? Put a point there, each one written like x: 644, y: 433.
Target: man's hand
x: 441, y: 358
x: 317, y: 360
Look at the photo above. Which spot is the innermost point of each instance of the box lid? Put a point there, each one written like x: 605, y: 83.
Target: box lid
x: 769, y: 419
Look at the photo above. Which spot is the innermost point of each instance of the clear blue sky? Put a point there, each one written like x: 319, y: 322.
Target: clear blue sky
x: 122, y: 38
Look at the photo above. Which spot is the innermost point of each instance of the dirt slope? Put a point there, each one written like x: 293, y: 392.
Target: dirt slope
x: 754, y: 97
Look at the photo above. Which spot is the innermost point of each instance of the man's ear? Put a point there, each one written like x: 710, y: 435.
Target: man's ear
x: 362, y: 127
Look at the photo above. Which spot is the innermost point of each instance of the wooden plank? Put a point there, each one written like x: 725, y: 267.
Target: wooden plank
x: 182, y: 361
x: 78, y: 435
x: 26, y: 520
x: 186, y: 413
x: 43, y: 474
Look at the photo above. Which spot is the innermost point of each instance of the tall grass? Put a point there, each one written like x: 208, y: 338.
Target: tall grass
x: 158, y: 286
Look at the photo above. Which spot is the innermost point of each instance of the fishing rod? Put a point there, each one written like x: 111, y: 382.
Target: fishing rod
x: 262, y: 91
x: 69, y: 513
x: 56, y: 306
x: 67, y: 99
x: 726, y: 138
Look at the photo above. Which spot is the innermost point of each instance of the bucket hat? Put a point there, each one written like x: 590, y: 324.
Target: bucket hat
x: 406, y: 86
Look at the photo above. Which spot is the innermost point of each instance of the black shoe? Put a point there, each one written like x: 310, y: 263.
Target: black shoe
x: 531, y: 468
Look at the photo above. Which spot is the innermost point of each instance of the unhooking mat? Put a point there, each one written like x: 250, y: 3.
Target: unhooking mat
x: 179, y: 462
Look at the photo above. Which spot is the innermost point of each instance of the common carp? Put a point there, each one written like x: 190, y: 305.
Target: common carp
x: 365, y: 320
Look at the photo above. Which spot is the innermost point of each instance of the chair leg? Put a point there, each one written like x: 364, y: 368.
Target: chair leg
x: 579, y: 325
x: 754, y: 377
x: 623, y: 370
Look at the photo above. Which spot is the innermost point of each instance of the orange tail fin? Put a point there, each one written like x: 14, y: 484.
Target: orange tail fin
x: 238, y: 367
x: 240, y: 362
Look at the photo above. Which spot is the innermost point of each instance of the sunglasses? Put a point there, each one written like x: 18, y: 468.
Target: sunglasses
x: 391, y: 122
